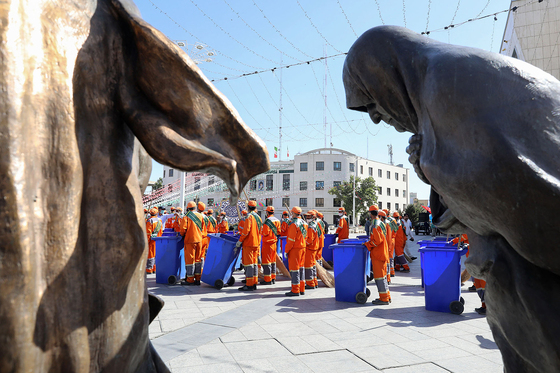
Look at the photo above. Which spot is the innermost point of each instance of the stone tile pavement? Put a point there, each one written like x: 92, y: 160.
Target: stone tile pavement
x: 202, y: 329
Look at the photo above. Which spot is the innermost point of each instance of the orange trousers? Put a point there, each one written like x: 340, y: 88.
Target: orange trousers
x: 309, y: 264
x: 193, y: 261
x: 250, y: 259
x: 380, y: 277
x: 268, y: 258
x: 296, y: 258
x: 480, y: 286
x: 151, y: 265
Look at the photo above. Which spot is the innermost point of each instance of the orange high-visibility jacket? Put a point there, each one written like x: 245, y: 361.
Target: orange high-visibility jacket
x: 295, y: 239
x: 377, y: 243
x: 463, y: 238
x: 400, y: 238
x: 205, y: 223
x: 212, y: 226
x: 240, y: 225
x: 251, y: 235
x: 152, y: 227
x: 389, y: 236
x: 268, y: 235
x: 312, y: 239
x: 322, y: 238
x: 284, y: 228
x: 223, y: 226
x: 343, y: 230
x: 188, y: 228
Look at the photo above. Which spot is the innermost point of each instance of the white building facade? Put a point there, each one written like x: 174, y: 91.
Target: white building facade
x: 304, y: 181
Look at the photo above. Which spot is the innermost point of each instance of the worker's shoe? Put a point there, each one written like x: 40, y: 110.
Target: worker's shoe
x: 405, y: 271
x: 472, y: 289
x: 247, y: 288
x: 265, y: 282
x: 185, y: 282
x: 243, y: 281
x: 481, y: 311
x: 196, y: 282
x: 309, y: 287
x: 379, y: 302
x: 392, y: 275
x: 413, y: 258
x: 302, y: 293
x: 273, y: 281
x: 290, y: 294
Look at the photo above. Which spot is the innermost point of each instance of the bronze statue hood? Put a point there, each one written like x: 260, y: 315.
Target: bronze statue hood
x: 88, y: 91
x: 486, y: 136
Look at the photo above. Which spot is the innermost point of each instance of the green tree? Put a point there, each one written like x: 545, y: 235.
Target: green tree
x: 366, y: 194
x: 413, y: 211
x: 158, y: 184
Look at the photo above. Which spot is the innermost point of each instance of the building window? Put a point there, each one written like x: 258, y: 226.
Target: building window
x: 268, y: 201
x: 211, y: 180
x: 389, y: 191
x: 319, y: 202
x: 337, y: 202
x: 361, y: 170
x: 396, y: 206
x: 396, y: 192
x: 319, y: 166
x: 319, y: 185
x: 337, y: 166
x: 388, y: 205
x: 404, y: 193
x: 196, y: 183
x: 380, y: 190
x: 388, y: 174
x: 396, y: 176
x: 303, y: 166
x: 303, y: 185
x: 303, y: 202
x: 269, y: 182
x: 286, y: 182
x: 286, y: 202
x: 371, y: 171
x: 380, y: 204
x: 253, y: 185
x: 351, y: 167
x: 336, y: 183
x: 171, y: 172
x: 164, y: 174
x: 379, y: 173
x: 210, y: 202
x: 404, y: 177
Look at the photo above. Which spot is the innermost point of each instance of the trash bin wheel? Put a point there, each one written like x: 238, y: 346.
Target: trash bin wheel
x: 361, y: 298
x: 456, y: 307
x: 368, y: 292
x: 219, y: 284
x: 231, y: 281
x: 462, y: 300
x: 172, y: 280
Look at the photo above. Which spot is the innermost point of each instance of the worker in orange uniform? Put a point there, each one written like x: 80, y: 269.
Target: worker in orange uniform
x: 343, y: 229
x: 394, y: 228
x: 389, y: 238
x: 319, y: 256
x: 213, y: 226
x: 295, y: 249
x: 400, y: 243
x: 377, y: 246
x: 222, y: 223
x: 311, y: 248
x: 153, y: 230
x: 270, y: 232
x: 241, y: 221
x: 250, y: 239
x: 284, y: 223
x: 191, y: 227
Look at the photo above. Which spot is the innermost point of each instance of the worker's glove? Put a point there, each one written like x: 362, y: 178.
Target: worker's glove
x: 153, y: 236
x: 238, y: 244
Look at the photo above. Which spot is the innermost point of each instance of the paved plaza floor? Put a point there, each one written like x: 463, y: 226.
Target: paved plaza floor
x: 202, y: 329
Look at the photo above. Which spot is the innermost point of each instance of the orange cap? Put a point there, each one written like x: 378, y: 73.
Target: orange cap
x: 285, y: 213
x: 179, y: 209
x: 145, y: 211
x: 201, y: 206
x: 311, y: 212
x: 209, y: 212
x: 382, y: 213
x: 319, y: 215
x: 252, y: 203
x: 223, y: 213
x: 191, y: 204
x: 270, y: 208
x: 172, y: 208
x: 395, y: 214
x: 341, y: 209
x: 154, y: 211
x: 244, y: 212
x: 373, y: 208
x: 296, y: 210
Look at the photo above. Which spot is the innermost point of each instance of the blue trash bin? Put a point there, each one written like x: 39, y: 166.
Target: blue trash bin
x: 434, y: 243
x: 363, y: 237
x: 350, y: 272
x: 220, y: 260
x: 283, y: 254
x: 170, y: 260
x: 442, y: 279
x: 330, y: 239
x: 169, y: 232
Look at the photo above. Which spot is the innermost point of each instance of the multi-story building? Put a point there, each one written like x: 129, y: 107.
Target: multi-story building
x: 304, y: 181
x: 532, y: 34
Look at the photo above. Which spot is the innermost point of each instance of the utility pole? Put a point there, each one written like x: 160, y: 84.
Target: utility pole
x: 390, y: 150
x: 354, y: 194
x: 325, y: 94
x: 182, y: 190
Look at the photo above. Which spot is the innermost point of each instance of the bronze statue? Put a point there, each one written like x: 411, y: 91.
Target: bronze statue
x: 87, y: 89
x: 486, y: 136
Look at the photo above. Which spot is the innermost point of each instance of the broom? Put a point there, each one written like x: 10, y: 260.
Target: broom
x: 325, y: 276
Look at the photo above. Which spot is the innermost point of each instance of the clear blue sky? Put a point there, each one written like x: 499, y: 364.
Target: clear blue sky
x: 252, y: 35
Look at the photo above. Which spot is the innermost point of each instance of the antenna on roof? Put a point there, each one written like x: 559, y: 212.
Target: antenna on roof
x: 390, y: 150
